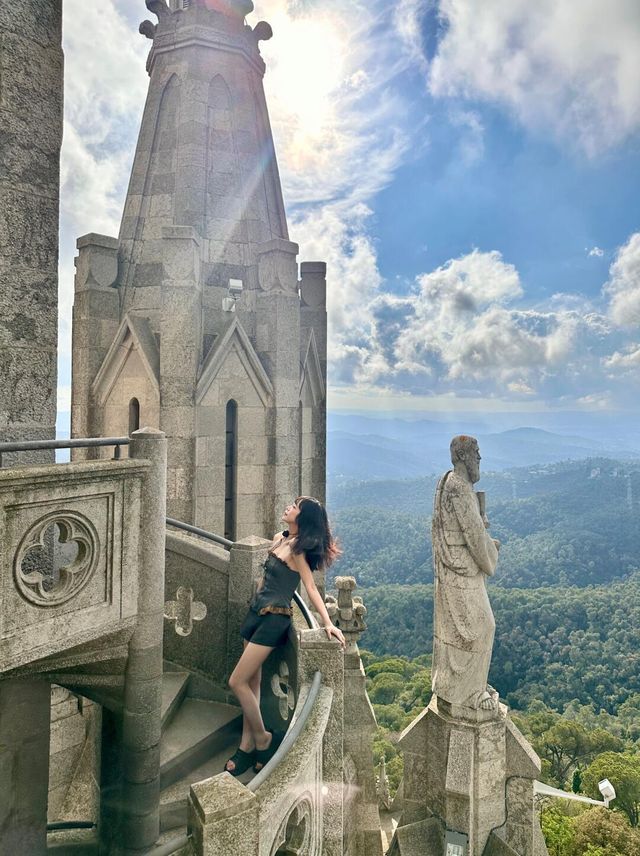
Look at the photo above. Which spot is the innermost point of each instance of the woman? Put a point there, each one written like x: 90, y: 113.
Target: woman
x: 306, y: 545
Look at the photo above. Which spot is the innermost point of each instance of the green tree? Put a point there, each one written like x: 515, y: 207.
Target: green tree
x: 385, y: 687
x: 566, y: 743
x: 606, y: 832
x: 576, y: 781
x: 558, y: 831
x: 623, y: 771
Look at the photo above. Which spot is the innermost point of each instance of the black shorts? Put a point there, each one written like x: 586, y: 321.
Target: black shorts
x: 270, y: 629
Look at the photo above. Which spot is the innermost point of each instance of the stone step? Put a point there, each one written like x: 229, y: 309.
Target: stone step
x: 174, y: 688
x: 174, y: 798
x: 198, y: 730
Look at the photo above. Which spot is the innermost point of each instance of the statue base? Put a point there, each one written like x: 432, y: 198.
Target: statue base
x: 468, y: 780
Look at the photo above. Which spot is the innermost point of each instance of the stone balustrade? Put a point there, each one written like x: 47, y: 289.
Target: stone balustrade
x: 296, y: 807
x: 69, y: 556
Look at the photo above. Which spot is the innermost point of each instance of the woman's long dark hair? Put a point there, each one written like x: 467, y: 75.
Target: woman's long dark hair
x: 314, y: 537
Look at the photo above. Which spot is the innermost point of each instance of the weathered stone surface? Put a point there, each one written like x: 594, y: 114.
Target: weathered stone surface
x: 31, y: 68
x: 92, y: 596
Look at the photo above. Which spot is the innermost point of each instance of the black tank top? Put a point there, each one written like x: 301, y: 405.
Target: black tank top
x: 279, y: 584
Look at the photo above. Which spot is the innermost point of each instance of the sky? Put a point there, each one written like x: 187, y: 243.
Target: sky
x: 469, y: 171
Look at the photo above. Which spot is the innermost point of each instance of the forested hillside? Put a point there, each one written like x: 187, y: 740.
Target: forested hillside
x: 574, y: 523
x: 552, y: 645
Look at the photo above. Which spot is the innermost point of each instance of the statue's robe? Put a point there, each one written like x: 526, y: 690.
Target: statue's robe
x: 464, y: 554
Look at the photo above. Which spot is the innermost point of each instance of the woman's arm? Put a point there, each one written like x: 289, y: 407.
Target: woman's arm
x: 306, y: 576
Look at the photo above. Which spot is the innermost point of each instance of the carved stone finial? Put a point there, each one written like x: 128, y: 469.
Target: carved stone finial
x: 262, y: 31
x: 382, y: 782
x: 159, y: 8
x: 347, y: 612
x: 148, y: 29
x: 184, y: 611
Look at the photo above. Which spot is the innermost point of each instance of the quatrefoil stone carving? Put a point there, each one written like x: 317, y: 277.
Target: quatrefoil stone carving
x: 295, y: 834
x: 283, y: 691
x: 184, y: 610
x: 56, y: 558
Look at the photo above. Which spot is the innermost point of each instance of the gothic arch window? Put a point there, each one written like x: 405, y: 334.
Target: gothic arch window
x: 134, y: 415
x: 230, y: 471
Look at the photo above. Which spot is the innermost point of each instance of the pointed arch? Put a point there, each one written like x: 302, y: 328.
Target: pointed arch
x: 231, y: 470
x: 134, y: 415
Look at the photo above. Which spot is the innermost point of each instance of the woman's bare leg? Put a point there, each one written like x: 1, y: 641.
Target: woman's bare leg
x: 245, y: 684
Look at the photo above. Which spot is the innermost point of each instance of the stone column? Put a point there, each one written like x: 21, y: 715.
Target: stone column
x: 180, y: 345
x: 24, y: 765
x: 246, y: 568
x: 278, y: 345
x: 223, y: 818
x: 362, y: 819
x: 96, y: 316
x: 143, y: 678
x: 31, y: 98
x: 313, y: 316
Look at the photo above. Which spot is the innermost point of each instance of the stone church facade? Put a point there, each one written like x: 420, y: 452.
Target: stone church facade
x: 197, y: 319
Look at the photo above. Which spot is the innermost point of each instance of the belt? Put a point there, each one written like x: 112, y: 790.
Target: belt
x: 276, y: 610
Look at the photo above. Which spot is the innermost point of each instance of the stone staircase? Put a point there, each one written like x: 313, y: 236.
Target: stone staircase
x: 198, y: 735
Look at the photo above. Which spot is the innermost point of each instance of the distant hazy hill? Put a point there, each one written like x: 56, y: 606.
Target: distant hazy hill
x: 370, y: 448
x: 573, y: 523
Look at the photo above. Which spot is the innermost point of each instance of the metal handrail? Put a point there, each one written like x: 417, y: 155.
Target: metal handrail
x: 70, y: 824
x: 291, y: 736
x: 218, y: 539
x: 180, y: 841
x: 202, y: 533
x: 71, y: 443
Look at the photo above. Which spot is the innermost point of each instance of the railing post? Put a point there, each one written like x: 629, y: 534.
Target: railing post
x: 318, y: 653
x: 143, y: 677
x: 223, y: 818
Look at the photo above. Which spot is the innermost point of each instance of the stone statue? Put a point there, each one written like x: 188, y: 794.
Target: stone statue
x: 464, y: 555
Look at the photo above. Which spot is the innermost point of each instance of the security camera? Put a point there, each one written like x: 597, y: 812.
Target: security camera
x: 235, y: 288
x: 233, y: 293
x: 607, y: 790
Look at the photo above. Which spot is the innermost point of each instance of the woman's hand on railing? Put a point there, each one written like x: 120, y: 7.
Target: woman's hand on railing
x: 332, y: 630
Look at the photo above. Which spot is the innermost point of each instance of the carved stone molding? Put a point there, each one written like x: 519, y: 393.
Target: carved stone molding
x: 56, y: 558
x: 184, y: 610
x: 283, y: 691
x: 295, y: 835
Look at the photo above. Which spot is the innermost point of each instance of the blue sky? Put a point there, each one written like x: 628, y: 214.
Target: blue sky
x: 469, y: 172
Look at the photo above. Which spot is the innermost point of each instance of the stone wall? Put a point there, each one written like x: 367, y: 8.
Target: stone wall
x: 31, y: 93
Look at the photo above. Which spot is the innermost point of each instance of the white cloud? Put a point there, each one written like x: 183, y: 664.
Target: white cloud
x: 465, y: 330
x: 597, y: 252
x: 624, y: 361
x: 64, y: 399
x: 339, y: 123
x: 557, y: 65
x: 105, y: 89
x: 623, y: 287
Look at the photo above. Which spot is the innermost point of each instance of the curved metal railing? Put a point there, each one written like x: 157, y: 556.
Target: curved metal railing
x: 202, y: 533
x: 291, y: 736
x: 218, y: 539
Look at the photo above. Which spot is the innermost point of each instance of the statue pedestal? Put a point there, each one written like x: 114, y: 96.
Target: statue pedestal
x: 471, y: 774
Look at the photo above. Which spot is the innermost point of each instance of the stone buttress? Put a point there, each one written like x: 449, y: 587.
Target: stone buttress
x: 194, y: 320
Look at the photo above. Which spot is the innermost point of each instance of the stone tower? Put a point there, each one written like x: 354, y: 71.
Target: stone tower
x: 31, y: 72
x: 195, y: 320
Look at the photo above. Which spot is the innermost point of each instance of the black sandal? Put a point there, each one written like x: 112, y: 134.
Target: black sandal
x: 242, y: 760
x: 263, y: 756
